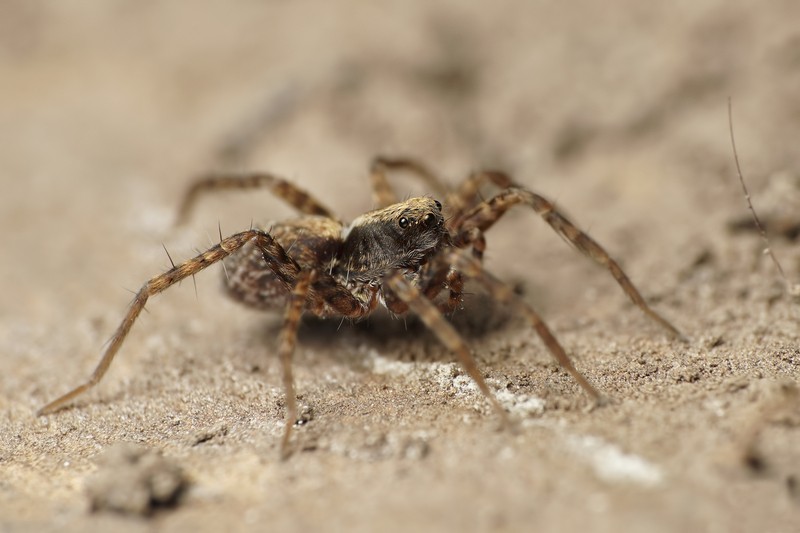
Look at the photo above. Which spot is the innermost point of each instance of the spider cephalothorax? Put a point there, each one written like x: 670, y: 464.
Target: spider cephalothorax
x: 403, y: 255
x: 400, y: 236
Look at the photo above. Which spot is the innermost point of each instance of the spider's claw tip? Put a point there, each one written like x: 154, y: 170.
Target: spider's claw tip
x: 47, y: 410
x: 285, y: 452
x: 679, y: 336
x: 505, y: 421
x: 510, y: 425
x: 601, y: 401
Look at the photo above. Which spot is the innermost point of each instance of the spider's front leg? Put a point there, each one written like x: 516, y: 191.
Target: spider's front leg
x: 472, y: 268
x: 484, y: 215
x: 433, y: 280
x: 416, y: 301
x: 285, y: 268
x: 286, y: 345
x: 318, y: 292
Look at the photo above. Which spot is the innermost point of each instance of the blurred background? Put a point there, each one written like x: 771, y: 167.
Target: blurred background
x: 616, y: 110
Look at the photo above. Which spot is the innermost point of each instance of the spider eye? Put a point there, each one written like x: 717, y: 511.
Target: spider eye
x: 438, y: 205
x: 403, y: 222
x: 429, y: 219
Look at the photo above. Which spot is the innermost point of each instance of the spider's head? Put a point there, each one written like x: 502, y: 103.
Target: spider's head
x: 399, y: 236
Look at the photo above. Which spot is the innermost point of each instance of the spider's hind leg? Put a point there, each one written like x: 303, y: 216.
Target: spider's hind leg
x: 382, y: 193
x: 221, y: 181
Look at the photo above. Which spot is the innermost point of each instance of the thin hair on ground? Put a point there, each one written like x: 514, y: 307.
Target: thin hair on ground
x: 791, y: 288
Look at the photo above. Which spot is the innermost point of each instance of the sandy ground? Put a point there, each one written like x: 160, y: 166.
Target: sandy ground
x: 615, y: 110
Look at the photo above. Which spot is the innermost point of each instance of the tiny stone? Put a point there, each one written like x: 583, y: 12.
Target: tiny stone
x: 132, y: 479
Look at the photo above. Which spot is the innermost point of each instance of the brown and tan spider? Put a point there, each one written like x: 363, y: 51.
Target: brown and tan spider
x: 402, y: 256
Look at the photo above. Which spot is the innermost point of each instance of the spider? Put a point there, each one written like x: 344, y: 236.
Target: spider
x: 404, y: 256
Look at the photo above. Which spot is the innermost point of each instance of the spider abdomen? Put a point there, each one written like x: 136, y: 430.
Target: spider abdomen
x: 311, y: 241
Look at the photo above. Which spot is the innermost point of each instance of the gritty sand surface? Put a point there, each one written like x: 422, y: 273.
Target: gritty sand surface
x: 616, y: 110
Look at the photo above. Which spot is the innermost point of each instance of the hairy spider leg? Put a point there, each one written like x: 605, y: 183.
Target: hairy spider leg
x: 288, y: 339
x: 467, y: 197
x: 444, y: 331
x: 432, y: 282
x: 445, y: 276
x: 292, y: 194
x: 383, y: 194
x: 285, y: 268
x: 485, y: 214
x: 472, y: 268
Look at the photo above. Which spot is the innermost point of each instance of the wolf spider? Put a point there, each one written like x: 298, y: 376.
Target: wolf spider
x: 402, y: 256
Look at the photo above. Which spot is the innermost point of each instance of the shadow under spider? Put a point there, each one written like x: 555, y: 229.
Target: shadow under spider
x: 480, y: 316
